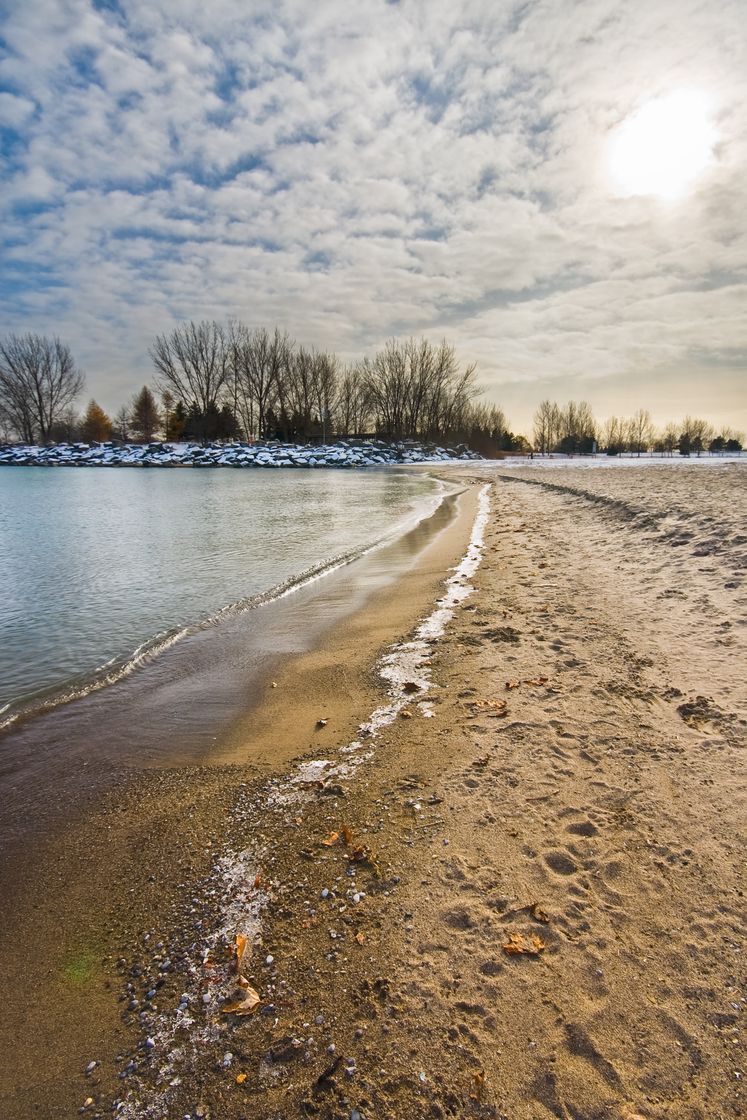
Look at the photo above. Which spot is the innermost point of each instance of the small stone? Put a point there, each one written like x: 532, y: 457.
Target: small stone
x: 318, y: 1019
x: 269, y: 958
x: 150, y: 1044
x: 421, y: 1076
x: 91, y: 1067
x: 324, y: 893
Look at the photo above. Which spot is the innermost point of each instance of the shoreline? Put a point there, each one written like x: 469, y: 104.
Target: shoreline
x: 90, y: 857
x: 572, y: 785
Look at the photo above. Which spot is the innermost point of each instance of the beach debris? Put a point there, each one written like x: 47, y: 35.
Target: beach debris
x: 326, y: 1077
x: 411, y: 686
x: 513, y: 684
x: 535, y: 682
x: 478, y: 1085
x: 495, y: 708
x: 533, y: 909
x: 347, y: 833
x: 405, y: 714
x: 360, y: 937
x: 246, y: 1006
x: 539, y: 915
x: 520, y: 945
x: 241, y: 1078
x: 323, y: 721
x: 240, y: 948
x: 328, y: 841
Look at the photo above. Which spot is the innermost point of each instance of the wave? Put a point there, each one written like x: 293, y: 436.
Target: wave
x: 120, y: 667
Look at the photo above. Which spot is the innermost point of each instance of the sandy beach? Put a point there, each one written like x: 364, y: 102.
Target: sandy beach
x: 506, y: 879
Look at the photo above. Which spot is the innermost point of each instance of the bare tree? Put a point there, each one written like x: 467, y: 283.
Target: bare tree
x: 353, y: 403
x: 121, y: 424
x: 546, y: 426
x: 641, y: 431
x: 39, y: 380
x: 261, y: 362
x: 192, y: 362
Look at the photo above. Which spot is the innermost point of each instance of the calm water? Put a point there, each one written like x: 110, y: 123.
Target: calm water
x: 96, y: 565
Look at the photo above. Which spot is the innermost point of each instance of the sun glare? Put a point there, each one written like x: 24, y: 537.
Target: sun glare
x: 663, y: 147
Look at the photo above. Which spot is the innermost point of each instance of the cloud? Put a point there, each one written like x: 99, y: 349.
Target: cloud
x: 357, y: 171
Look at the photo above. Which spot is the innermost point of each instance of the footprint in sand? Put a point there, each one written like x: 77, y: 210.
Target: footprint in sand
x: 560, y: 863
x: 583, y: 828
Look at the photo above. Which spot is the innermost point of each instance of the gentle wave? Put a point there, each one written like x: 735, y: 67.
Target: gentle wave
x: 118, y: 668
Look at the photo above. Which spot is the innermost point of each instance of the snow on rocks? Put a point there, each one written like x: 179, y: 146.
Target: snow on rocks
x: 345, y: 453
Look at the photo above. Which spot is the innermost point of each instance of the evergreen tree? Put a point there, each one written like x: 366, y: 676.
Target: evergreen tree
x: 145, y: 419
x: 97, y: 427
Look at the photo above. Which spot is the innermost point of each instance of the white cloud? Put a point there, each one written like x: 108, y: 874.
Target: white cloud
x: 353, y: 171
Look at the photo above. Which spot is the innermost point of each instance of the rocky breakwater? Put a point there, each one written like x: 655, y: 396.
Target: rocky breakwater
x: 344, y: 453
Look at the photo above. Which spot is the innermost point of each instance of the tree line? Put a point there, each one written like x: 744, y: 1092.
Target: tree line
x: 216, y: 382
x: 572, y: 430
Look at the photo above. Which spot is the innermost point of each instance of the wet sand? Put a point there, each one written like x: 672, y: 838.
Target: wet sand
x: 573, y: 787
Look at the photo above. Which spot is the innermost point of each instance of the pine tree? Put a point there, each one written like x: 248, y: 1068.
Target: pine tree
x: 145, y: 418
x: 97, y: 427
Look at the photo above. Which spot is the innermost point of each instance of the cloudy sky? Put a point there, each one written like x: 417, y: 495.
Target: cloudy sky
x: 558, y: 188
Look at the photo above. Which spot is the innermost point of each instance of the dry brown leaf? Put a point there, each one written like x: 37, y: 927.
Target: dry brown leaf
x: 404, y: 714
x: 536, y: 680
x: 241, y: 1078
x: 258, y: 882
x: 478, y: 1085
x: 513, y: 684
x: 490, y: 707
x: 360, y: 855
x: 331, y: 839
x: 410, y: 686
x: 360, y: 938
x: 245, y: 1006
x: 240, y: 947
x: 347, y: 833
x: 520, y: 945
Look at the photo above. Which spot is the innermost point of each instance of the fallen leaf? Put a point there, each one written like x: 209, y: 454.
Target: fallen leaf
x: 360, y: 855
x: 360, y: 938
x: 539, y: 915
x: 478, y: 1085
x: 404, y: 714
x: 241, y: 1078
x: 536, y: 680
x: 244, y: 1006
x: 512, y: 684
x: 347, y: 833
x: 331, y: 839
x: 240, y: 947
x: 520, y: 945
x: 410, y: 686
x: 258, y: 881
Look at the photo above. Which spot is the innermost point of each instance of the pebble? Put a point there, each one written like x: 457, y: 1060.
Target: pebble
x: 269, y: 959
x: 324, y: 893
x: 91, y: 1067
x: 318, y: 1019
x: 355, y: 1115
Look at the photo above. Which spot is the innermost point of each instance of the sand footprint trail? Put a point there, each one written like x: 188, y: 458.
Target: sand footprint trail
x: 598, y: 797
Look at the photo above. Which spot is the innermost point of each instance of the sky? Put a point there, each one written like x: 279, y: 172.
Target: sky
x: 557, y: 188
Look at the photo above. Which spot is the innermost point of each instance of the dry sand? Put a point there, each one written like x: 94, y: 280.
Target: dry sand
x: 599, y: 818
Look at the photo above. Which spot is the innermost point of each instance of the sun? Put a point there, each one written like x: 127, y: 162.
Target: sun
x: 663, y: 147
